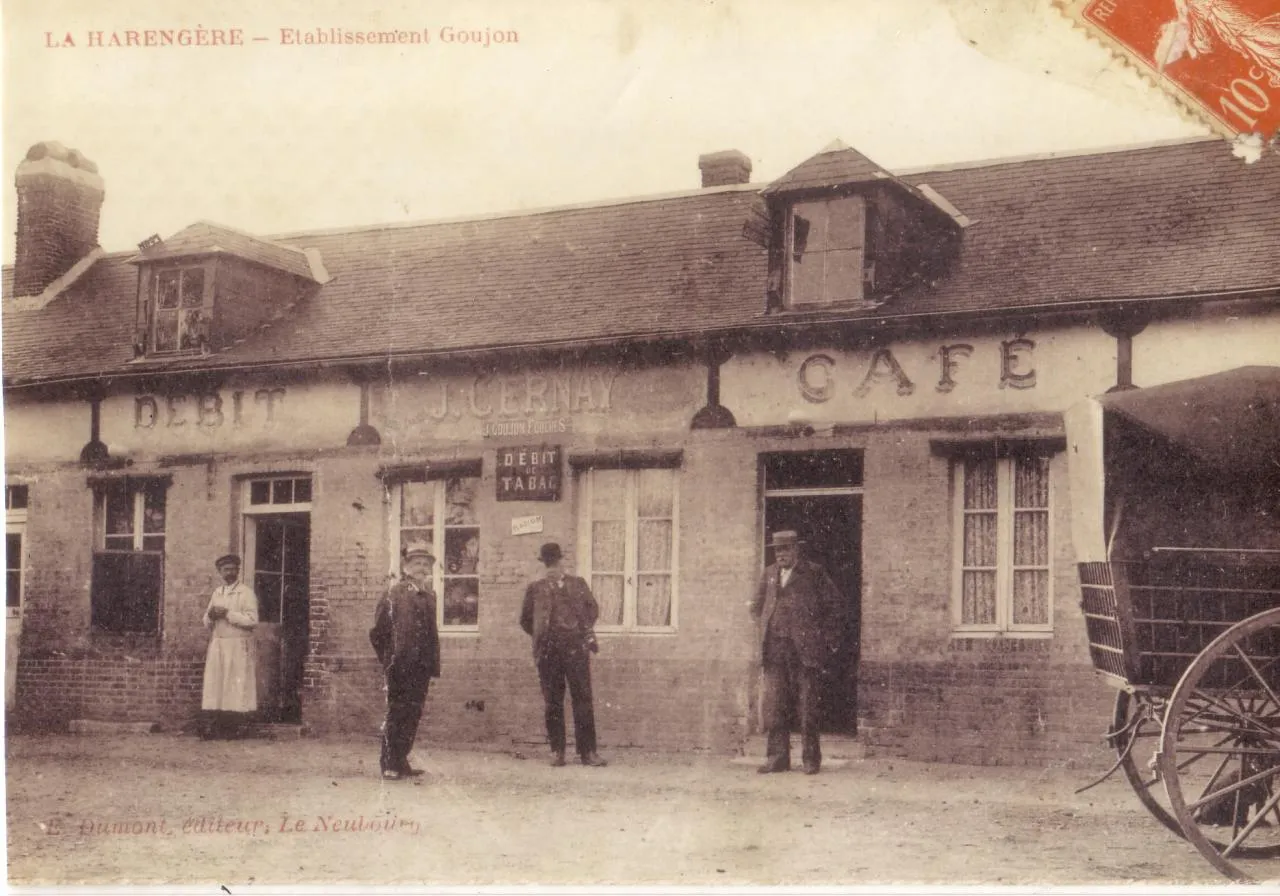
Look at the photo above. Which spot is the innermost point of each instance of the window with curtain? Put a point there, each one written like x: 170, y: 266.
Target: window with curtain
x: 1003, y: 544
x: 628, y: 526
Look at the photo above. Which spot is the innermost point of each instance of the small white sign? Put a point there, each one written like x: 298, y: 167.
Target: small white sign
x: 526, y: 525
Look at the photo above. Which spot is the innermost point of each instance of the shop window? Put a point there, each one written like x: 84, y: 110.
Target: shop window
x: 628, y: 550
x: 15, y: 501
x: 128, y: 560
x: 440, y: 515
x: 1003, y: 545
x: 826, y: 251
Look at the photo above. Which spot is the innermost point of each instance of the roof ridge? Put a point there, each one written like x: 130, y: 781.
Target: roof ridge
x: 968, y: 165
x: 522, y: 213
x: 244, y: 233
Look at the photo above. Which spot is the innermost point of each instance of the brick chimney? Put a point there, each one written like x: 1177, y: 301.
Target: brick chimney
x: 720, y: 169
x: 59, y: 201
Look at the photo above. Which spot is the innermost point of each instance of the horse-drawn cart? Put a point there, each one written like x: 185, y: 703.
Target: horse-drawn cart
x: 1176, y: 523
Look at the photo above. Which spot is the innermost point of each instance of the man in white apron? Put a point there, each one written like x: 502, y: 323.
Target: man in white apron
x: 230, y: 683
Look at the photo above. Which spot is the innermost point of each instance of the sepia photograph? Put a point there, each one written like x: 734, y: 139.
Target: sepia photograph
x: 714, y: 444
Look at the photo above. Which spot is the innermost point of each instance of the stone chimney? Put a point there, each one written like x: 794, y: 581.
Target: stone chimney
x: 720, y: 169
x: 59, y: 201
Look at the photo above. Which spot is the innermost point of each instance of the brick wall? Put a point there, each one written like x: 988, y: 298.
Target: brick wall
x: 924, y: 694
x: 680, y: 690
x: 927, y: 695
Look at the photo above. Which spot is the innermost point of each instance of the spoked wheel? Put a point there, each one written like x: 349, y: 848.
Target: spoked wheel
x: 1136, y: 740
x: 1220, y: 750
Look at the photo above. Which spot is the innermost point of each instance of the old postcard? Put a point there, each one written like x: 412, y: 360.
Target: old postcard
x: 614, y: 443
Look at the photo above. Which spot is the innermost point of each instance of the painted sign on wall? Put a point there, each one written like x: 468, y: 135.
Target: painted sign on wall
x: 207, y: 409
x: 529, y: 473
x: 962, y: 375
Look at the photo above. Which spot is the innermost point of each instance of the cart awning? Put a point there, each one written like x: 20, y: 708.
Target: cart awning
x: 1230, y: 420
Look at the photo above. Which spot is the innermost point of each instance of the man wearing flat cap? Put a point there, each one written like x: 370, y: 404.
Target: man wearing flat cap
x: 230, y: 685
x: 799, y: 609
x: 407, y: 641
x: 560, y: 613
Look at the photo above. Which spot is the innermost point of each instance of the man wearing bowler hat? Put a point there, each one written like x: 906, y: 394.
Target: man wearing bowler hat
x: 407, y: 641
x: 230, y: 691
x: 560, y: 613
x: 799, y: 609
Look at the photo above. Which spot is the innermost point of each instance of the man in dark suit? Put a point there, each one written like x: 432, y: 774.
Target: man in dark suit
x: 799, y: 609
x: 407, y: 641
x: 560, y: 613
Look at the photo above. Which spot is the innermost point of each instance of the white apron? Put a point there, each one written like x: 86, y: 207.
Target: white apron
x: 229, y: 680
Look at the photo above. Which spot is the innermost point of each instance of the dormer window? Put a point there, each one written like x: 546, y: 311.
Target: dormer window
x: 180, y: 309
x: 826, y: 251
x: 208, y: 287
x: 844, y: 234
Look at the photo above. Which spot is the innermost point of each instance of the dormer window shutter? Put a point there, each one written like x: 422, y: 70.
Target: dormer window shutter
x: 826, y: 251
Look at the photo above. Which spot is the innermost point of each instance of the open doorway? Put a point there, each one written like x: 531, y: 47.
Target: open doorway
x: 277, y: 534
x: 819, y: 494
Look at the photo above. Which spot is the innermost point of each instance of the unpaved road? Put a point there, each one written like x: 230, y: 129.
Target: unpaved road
x: 171, y: 809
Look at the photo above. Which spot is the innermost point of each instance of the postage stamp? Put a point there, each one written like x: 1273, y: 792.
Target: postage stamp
x: 1218, y: 58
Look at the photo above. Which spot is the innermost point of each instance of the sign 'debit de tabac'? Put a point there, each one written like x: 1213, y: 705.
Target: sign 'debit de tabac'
x: 529, y: 473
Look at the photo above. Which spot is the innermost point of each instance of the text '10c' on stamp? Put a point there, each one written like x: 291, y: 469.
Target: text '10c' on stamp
x: 1219, y: 58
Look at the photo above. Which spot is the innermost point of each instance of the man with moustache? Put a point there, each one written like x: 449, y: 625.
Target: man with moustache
x: 407, y: 641
x: 799, y: 609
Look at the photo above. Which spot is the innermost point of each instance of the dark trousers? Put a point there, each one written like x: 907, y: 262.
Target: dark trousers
x: 790, y: 688
x: 559, y: 665
x: 405, y: 696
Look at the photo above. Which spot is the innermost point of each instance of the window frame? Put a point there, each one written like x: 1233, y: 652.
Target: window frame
x: 439, y: 528
x: 16, y: 524
x: 249, y: 513
x: 153, y: 311
x: 791, y: 299
x: 584, y: 482
x: 137, y: 489
x: 1005, y: 511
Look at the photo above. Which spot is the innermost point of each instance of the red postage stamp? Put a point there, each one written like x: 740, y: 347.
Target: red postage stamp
x: 1221, y: 58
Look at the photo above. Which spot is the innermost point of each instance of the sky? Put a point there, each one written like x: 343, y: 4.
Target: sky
x: 595, y: 100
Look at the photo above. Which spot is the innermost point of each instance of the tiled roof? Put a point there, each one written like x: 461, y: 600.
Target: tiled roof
x: 1153, y: 222
x: 837, y: 164
x: 1166, y: 220
x: 204, y: 238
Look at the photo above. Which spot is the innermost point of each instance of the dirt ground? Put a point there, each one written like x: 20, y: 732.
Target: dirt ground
x: 173, y: 809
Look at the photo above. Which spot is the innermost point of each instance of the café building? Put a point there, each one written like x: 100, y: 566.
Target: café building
x: 878, y: 360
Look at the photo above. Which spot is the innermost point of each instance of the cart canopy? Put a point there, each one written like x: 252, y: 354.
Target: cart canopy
x: 1227, y: 423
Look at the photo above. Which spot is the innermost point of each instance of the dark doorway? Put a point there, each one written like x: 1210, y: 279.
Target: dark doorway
x: 819, y: 494
x: 280, y: 558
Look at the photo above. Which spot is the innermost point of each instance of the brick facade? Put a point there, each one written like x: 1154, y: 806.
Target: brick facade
x: 922, y: 693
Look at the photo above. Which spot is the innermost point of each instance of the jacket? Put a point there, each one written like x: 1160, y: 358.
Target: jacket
x: 814, y: 608
x: 404, y: 633
x: 541, y: 595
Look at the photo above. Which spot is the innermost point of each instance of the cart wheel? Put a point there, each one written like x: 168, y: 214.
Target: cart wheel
x: 1220, y: 749
x: 1136, y: 750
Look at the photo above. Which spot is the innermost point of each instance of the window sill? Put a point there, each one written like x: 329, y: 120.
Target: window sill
x: 654, y: 630
x: 817, y: 309
x: 989, y: 634
x: 466, y: 631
